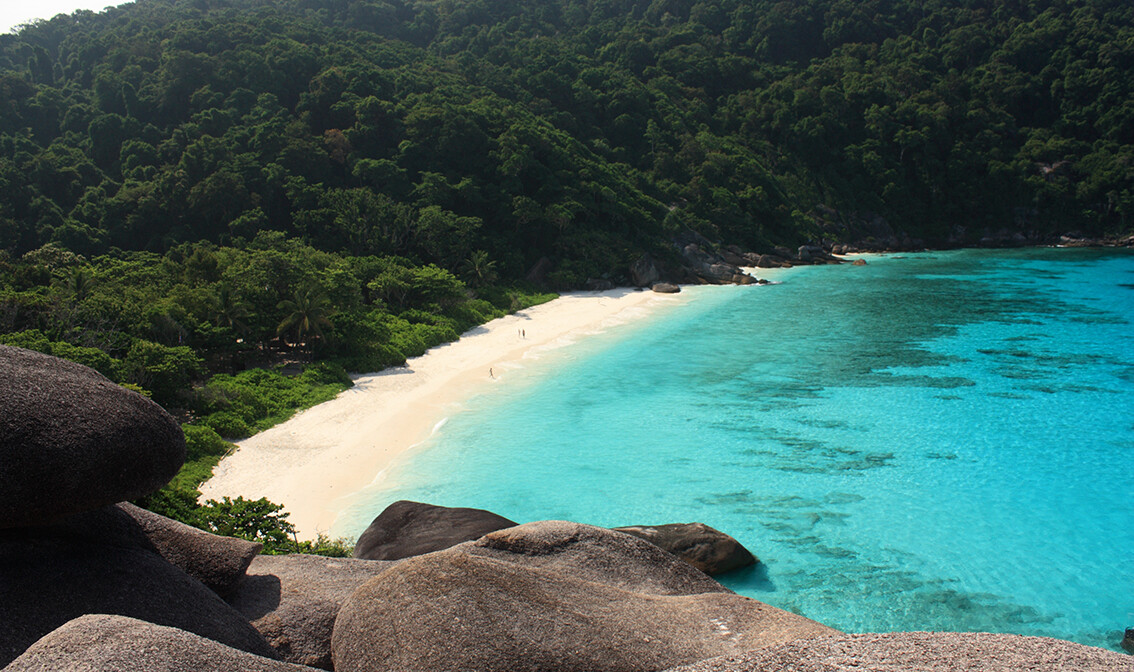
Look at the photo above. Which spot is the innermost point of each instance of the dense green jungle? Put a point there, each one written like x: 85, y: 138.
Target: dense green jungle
x: 228, y: 204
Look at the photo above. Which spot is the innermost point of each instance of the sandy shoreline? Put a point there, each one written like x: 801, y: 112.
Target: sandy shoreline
x: 313, y: 462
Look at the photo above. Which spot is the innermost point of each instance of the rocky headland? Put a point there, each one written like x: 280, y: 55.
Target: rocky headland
x: 90, y: 582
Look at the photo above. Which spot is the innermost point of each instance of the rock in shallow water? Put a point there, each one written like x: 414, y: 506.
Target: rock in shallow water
x: 293, y: 600
x: 72, y: 441
x: 101, y: 643
x: 707, y: 549
x: 405, y: 529
x: 551, y: 601
x: 916, y: 651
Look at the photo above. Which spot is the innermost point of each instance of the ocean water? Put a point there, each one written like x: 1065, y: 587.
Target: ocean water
x: 934, y: 441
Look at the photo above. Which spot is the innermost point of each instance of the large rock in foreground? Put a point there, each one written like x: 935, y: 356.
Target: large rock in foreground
x: 293, y: 601
x: 594, y: 554
x: 405, y: 529
x: 707, y: 549
x: 101, y: 643
x: 45, y: 582
x: 216, y: 561
x: 928, y: 651
x: 460, y: 609
x: 71, y: 440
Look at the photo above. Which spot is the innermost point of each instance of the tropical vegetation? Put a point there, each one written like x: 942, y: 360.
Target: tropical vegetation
x: 228, y: 204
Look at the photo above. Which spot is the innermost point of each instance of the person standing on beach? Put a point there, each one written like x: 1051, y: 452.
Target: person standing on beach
x: 490, y: 373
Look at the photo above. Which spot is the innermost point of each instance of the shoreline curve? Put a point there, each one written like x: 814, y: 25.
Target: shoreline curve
x: 313, y: 462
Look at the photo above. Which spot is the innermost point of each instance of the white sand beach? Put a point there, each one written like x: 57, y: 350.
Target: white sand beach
x: 313, y: 462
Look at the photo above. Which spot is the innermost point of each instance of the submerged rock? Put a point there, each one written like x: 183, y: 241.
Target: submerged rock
x: 293, y: 600
x: 453, y: 610
x: 101, y: 643
x: 707, y: 549
x: 48, y: 581
x: 405, y: 529
x: 937, y: 651
x: 72, y: 441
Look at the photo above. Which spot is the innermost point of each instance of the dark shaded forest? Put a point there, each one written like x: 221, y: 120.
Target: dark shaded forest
x: 585, y: 132
x: 227, y: 204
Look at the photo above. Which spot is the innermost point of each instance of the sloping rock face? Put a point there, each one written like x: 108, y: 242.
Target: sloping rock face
x: 707, y: 549
x: 71, y: 440
x: 216, y: 561
x: 101, y: 643
x: 461, y: 609
x: 48, y: 581
x: 405, y: 529
x: 594, y: 554
x: 929, y: 651
x: 293, y: 600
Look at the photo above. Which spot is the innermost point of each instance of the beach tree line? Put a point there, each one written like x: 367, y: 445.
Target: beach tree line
x: 235, y: 340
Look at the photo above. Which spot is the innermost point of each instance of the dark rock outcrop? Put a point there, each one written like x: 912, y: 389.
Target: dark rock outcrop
x: 937, y: 651
x: 771, y: 261
x: 48, y: 581
x: 405, y: 529
x: 72, y: 441
x: 665, y: 288
x: 216, y: 561
x: 710, y: 267
x: 1128, y: 640
x: 538, y: 272
x: 453, y: 610
x: 704, y: 547
x: 594, y: 554
x: 644, y: 272
x: 293, y: 601
x: 101, y: 643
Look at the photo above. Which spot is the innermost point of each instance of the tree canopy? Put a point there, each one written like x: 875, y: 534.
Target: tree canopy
x: 581, y: 131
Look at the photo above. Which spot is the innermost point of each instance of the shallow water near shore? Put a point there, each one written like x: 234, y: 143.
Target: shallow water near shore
x: 934, y: 441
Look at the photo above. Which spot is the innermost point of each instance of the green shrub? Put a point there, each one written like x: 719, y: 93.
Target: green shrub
x: 164, y: 370
x: 256, y: 520
x: 227, y: 424
x: 203, y: 441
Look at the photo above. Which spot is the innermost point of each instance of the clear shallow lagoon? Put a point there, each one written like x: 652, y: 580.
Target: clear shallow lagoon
x: 937, y: 441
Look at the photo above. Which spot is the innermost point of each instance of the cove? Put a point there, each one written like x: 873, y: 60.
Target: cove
x: 933, y: 441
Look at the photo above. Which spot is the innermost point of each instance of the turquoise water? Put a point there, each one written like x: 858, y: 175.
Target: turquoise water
x: 937, y: 441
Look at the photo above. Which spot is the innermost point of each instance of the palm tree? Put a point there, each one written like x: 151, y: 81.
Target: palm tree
x: 478, y: 269
x: 229, y: 310
x: 79, y: 283
x: 308, y: 314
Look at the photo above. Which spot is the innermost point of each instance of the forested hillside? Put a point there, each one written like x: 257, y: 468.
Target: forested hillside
x: 581, y: 131
x: 196, y: 192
